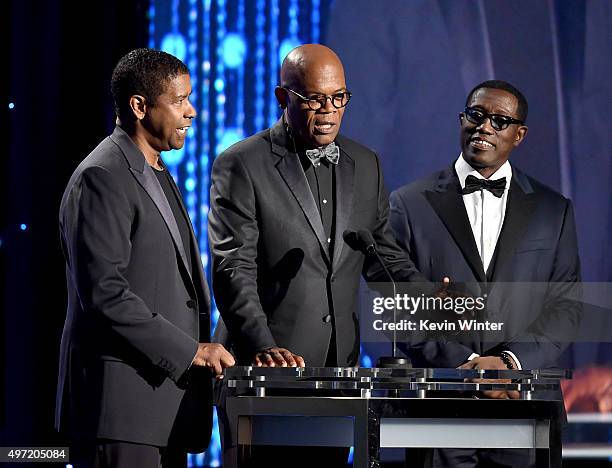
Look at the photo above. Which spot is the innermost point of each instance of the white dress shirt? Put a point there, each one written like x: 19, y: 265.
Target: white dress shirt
x: 481, y: 206
x: 486, y: 213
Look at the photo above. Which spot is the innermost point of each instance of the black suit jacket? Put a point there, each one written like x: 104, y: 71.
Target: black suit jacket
x: 274, y: 280
x: 135, y: 313
x: 532, y: 283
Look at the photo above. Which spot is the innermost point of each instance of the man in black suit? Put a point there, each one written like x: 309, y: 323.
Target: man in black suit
x: 134, y: 385
x: 285, y: 280
x: 486, y: 223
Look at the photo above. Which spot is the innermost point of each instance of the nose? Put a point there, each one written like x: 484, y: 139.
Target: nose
x: 328, y: 108
x: 190, y: 113
x: 485, y: 126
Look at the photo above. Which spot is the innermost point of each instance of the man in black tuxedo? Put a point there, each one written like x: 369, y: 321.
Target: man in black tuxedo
x: 285, y: 280
x: 134, y: 385
x: 486, y: 223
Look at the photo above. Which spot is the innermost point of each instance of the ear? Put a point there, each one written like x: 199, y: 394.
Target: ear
x: 520, y: 135
x: 139, y: 106
x: 281, y: 97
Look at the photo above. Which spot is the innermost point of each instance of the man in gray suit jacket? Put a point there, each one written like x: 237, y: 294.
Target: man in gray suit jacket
x: 134, y: 385
x: 486, y: 223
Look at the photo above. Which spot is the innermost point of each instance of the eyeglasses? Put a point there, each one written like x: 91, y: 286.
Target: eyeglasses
x: 498, y: 121
x: 317, y: 101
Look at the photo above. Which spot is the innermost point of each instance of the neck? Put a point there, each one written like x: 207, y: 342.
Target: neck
x: 487, y: 172
x: 151, y: 154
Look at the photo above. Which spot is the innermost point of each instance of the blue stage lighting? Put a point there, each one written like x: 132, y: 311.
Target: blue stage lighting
x: 366, y: 361
x: 174, y: 157
x: 23, y: 227
x: 11, y: 105
x: 233, y: 50
x: 230, y: 136
x: 174, y: 43
x: 190, y: 184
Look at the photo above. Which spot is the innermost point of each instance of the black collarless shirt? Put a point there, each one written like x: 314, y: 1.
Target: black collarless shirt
x: 171, y: 195
x: 322, y: 181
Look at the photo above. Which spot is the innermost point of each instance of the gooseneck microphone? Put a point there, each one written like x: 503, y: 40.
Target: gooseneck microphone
x: 363, y: 240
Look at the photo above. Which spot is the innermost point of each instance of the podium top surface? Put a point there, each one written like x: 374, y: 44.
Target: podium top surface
x: 400, y: 374
x: 365, y: 379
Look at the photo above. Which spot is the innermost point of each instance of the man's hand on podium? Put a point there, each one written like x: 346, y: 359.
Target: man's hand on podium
x: 491, y: 363
x: 278, y: 357
x: 214, y: 356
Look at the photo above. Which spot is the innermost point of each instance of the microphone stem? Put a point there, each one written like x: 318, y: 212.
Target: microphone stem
x: 394, y: 344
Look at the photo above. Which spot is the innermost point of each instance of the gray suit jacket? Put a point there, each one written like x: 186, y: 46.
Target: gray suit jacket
x: 135, y: 312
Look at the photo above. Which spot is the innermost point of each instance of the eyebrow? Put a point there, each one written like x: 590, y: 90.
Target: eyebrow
x: 479, y: 107
x: 181, y: 96
x: 341, y: 90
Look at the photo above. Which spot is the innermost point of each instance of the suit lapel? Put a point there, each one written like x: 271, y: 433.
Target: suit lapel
x: 198, y: 270
x: 291, y: 171
x: 519, y: 211
x: 150, y: 184
x: 448, y: 204
x: 344, y: 201
x: 146, y: 178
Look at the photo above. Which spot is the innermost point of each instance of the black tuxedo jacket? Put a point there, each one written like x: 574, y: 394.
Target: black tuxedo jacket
x: 531, y: 285
x: 135, y: 311
x: 274, y: 280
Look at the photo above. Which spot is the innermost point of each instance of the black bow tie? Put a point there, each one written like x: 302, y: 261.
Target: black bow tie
x: 473, y: 184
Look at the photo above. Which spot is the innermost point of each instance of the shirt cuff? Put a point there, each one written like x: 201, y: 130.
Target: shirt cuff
x: 515, y: 359
x: 474, y: 355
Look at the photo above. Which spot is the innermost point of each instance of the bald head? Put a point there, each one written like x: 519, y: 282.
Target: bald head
x: 311, y: 70
x: 308, y: 60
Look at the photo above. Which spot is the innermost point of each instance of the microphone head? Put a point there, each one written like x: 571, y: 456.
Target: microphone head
x: 361, y: 240
x: 367, y: 238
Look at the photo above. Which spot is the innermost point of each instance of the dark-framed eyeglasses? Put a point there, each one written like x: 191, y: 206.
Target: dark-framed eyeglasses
x: 498, y: 121
x: 317, y: 101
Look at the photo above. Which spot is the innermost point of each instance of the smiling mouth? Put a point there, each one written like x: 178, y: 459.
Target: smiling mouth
x: 481, y: 144
x: 324, y: 127
x: 182, y: 130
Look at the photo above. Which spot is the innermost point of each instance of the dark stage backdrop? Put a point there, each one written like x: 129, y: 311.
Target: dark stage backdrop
x: 60, y: 59
x: 408, y: 63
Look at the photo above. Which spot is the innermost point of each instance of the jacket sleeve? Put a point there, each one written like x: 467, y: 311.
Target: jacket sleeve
x: 233, y: 235
x: 96, y: 222
x: 438, y: 352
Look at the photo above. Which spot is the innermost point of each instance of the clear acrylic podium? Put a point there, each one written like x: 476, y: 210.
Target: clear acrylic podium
x: 382, y: 407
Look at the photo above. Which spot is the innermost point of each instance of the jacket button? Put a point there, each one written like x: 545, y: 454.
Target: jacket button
x: 191, y: 304
x: 327, y: 318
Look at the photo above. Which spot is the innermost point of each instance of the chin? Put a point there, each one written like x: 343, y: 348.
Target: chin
x: 478, y: 159
x: 177, y: 145
x: 323, y: 140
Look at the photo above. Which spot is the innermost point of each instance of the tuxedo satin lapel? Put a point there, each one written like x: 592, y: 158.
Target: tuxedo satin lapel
x: 448, y: 204
x: 291, y: 171
x: 150, y: 184
x: 519, y: 211
x: 345, y: 171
